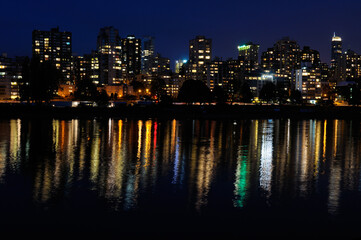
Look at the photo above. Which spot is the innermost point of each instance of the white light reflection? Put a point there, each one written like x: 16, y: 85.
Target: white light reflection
x: 266, y: 166
x: 176, y: 164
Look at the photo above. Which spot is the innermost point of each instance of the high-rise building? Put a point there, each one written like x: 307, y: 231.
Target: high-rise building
x: 283, y: 59
x: 337, y: 68
x: 81, y: 68
x: 311, y: 56
x: 131, y: 57
x: 87, y: 67
x: 160, y: 67
x: 352, y: 65
x: 56, y: 47
x: 200, y: 54
x: 267, y: 59
x: 109, y: 55
x: 93, y: 58
x: 336, y: 50
x: 248, y: 53
x: 147, y: 54
x: 308, y: 82
x: 235, y: 75
x: 179, y: 64
x: 216, y: 73
x: 10, y: 76
x: 325, y: 73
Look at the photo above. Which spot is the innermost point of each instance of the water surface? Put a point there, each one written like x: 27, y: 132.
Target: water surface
x: 245, y: 178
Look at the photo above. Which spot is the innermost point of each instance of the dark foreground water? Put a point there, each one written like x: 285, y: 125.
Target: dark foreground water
x: 180, y: 179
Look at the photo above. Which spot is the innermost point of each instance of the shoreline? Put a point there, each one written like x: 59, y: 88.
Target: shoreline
x: 183, y: 112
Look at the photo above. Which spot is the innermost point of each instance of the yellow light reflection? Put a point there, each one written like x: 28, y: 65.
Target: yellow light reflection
x: 120, y: 129
x: 15, y: 135
x: 324, y: 140
x: 148, y: 138
x: 317, y: 148
x: 115, y: 177
x: 335, y: 138
x: 94, y: 154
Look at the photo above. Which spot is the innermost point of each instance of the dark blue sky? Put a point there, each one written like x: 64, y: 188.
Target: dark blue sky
x: 174, y: 23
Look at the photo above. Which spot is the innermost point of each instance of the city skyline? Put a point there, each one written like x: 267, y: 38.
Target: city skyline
x: 185, y: 56
x: 173, y: 26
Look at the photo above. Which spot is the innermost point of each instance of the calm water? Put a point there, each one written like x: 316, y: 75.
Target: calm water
x: 181, y: 178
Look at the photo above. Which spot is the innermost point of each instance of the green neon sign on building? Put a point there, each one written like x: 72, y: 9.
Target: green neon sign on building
x: 244, y: 47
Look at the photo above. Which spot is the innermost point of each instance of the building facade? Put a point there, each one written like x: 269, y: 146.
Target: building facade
x: 308, y: 82
x: 337, y: 68
x: 131, y: 58
x: 109, y: 50
x: 216, y: 73
x: 283, y: 59
x: 310, y: 55
x: 200, y: 54
x: 56, y: 47
x: 148, y: 53
x: 352, y: 65
x: 248, y: 53
x: 87, y: 67
x: 160, y: 67
x: 10, y: 77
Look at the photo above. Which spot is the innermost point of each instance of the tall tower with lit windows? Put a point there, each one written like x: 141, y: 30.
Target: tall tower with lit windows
x: 336, y: 50
x: 131, y: 57
x: 337, y: 68
x: 248, y: 54
x: 109, y: 56
x: 56, y: 47
x: 200, y: 54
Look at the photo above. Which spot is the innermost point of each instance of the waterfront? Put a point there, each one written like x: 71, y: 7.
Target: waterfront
x: 265, y: 177
x: 171, y: 111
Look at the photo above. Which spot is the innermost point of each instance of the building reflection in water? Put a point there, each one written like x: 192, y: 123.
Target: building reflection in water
x: 123, y: 160
x: 241, y: 182
x: 205, y: 163
x: 10, y: 142
x: 266, y: 165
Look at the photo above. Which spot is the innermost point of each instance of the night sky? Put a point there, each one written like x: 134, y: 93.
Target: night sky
x: 174, y: 23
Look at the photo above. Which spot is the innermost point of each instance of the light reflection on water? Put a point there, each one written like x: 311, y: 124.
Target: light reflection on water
x: 244, y: 162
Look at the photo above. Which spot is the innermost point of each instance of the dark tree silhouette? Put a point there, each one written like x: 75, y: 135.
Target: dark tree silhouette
x: 356, y: 95
x: 102, y: 98
x: 268, y: 92
x: 281, y: 94
x: 246, y: 93
x: 296, y: 96
x: 352, y: 93
x: 40, y: 80
x: 219, y: 94
x: 157, y: 88
x: 194, y: 91
x: 237, y: 89
x: 138, y: 86
x: 24, y: 88
x: 86, y: 90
